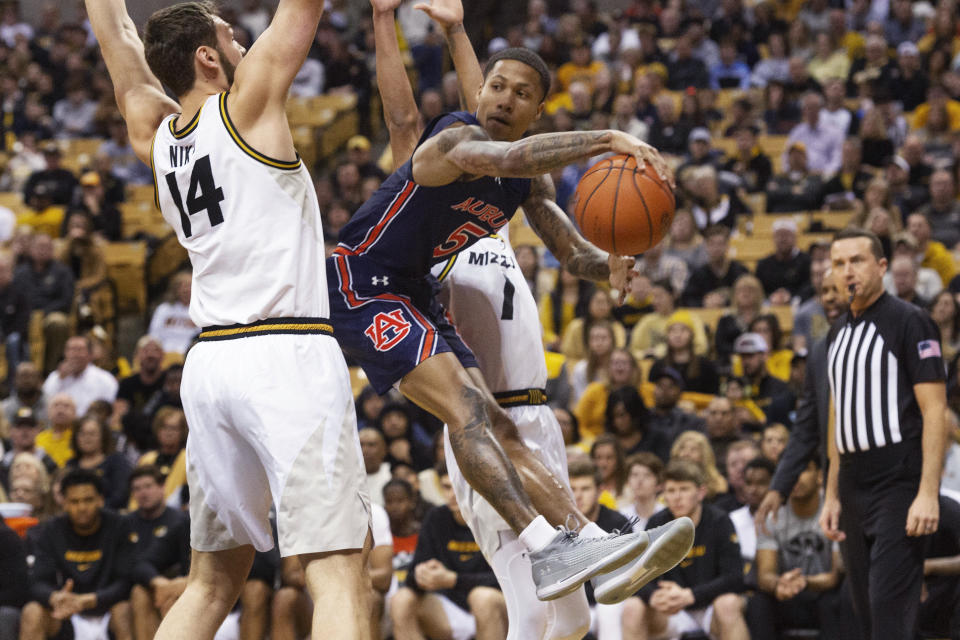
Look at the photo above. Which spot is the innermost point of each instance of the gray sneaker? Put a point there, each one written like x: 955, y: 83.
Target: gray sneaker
x: 668, y: 545
x: 569, y: 560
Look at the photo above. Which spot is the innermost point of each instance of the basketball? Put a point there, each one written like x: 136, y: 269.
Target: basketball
x: 623, y: 209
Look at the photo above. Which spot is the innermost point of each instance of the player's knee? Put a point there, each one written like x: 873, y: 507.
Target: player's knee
x: 403, y: 606
x: 485, y: 602
x: 634, y: 615
x: 728, y: 608
x: 255, y: 595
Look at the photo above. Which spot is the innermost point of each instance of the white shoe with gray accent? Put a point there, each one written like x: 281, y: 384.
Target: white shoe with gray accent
x: 569, y: 560
x: 668, y: 545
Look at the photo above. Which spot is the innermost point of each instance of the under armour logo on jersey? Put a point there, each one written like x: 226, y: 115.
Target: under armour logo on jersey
x: 385, y: 280
x: 387, y: 330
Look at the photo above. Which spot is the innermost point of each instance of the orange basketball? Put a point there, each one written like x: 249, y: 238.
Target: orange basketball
x: 623, y: 209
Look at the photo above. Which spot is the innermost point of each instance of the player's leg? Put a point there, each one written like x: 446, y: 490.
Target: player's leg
x: 728, y: 621
x: 487, y: 606
x: 146, y: 618
x: 255, y: 609
x: 440, y: 385
x: 37, y: 622
x: 547, y: 492
x: 216, y: 579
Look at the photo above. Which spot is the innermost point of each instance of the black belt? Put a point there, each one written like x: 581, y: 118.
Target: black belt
x: 270, y: 326
x: 521, y: 397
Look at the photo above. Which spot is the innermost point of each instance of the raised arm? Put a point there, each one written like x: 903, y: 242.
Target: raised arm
x: 578, y: 256
x: 449, y: 15
x: 139, y: 94
x: 468, y: 151
x: 263, y: 78
x: 399, y: 106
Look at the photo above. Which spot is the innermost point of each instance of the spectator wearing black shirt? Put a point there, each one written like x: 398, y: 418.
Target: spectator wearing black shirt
x: 23, y: 439
x: 14, y: 315
x: 27, y: 393
x: 699, y: 372
x: 13, y: 580
x: 908, y: 80
x: 161, y: 537
x: 785, y: 272
x: 721, y: 427
x: 684, y: 69
x: 447, y: 566
x: 92, y: 444
x: 796, y: 189
x: 851, y: 181
x: 626, y: 420
x: 104, y: 215
x: 136, y: 390
x: 939, y: 615
x: 667, y: 417
x: 702, y: 593
x: 709, y: 285
x: 770, y: 394
x: 82, y: 563
x: 58, y: 184
x: 749, y: 161
x: 358, y: 152
x: 943, y: 210
x: 668, y: 134
x: 49, y: 284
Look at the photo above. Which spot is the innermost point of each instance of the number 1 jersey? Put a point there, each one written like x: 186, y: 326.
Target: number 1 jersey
x: 250, y: 223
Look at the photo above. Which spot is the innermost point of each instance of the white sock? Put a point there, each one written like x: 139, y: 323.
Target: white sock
x: 537, y: 534
x: 592, y: 530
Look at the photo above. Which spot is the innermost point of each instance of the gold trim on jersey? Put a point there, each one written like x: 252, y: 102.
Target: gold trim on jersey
x: 187, y: 130
x: 153, y: 173
x: 247, y: 149
x: 521, y: 397
x: 446, y: 269
x: 268, y: 327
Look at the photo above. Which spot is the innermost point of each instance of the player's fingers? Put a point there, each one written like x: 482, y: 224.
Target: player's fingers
x: 426, y: 8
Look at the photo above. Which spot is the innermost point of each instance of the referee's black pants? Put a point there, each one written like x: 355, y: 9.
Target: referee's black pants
x: 884, y: 566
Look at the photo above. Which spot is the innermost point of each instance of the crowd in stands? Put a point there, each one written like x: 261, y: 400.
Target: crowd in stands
x: 677, y: 402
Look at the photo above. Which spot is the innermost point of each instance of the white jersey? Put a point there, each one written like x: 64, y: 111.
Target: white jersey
x: 495, y: 313
x: 250, y: 223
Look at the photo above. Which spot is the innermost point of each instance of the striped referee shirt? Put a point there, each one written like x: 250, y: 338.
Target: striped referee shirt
x: 874, y: 360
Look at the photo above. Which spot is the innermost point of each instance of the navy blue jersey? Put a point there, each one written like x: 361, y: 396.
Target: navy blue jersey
x: 407, y: 227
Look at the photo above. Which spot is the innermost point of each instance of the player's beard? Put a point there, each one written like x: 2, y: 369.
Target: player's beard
x: 228, y: 67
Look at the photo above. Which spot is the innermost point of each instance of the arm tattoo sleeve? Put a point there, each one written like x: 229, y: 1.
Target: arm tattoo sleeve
x: 530, y: 157
x: 552, y: 225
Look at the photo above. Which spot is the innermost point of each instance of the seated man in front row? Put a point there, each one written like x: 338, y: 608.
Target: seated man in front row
x: 80, y: 571
x: 702, y: 593
x: 451, y: 591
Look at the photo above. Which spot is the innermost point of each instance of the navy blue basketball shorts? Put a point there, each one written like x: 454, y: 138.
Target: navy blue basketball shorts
x: 386, y: 323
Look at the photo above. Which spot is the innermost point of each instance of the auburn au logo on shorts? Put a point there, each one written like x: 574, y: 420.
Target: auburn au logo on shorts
x: 387, y: 329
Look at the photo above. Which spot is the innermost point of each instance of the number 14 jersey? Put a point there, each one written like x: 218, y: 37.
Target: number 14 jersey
x: 250, y: 223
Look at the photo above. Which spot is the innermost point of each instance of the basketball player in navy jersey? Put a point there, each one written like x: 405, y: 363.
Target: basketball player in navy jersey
x: 398, y: 330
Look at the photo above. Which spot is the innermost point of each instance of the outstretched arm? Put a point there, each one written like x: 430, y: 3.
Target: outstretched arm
x: 264, y: 76
x: 399, y: 107
x: 449, y: 15
x: 468, y: 151
x: 578, y: 256
x: 139, y: 94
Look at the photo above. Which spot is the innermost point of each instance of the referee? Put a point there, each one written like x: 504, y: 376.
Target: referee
x: 886, y: 439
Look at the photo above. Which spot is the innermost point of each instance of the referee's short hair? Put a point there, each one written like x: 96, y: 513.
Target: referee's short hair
x: 875, y: 247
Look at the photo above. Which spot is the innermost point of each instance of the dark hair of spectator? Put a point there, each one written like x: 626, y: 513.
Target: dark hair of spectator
x: 574, y: 423
x: 685, y: 471
x: 776, y: 333
x: 147, y: 471
x: 664, y: 284
x: 106, y: 436
x: 649, y: 460
x: 632, y: 401
x: 620, y: 473
x: 761, y: 463
x: 403, y: 485
x: 584, y: 469
x: 584, y: 292
x: 79, y: 478
x: 527, y: 57
x: 171, y: 38
x: 716, y: 230
x: 875, y: 245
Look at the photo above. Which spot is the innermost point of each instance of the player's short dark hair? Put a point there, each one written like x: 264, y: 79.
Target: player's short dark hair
x: 761, y: 463
x: 403, y: 485
x: 147, y: 471
x: 527, y: 57
x: 876, y: 248
x: 81, y: 477
x: 685, y: 471
x: 172, y: 36
x: 584, y: 469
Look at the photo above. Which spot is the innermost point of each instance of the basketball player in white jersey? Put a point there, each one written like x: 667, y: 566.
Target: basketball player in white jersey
x: 266, y: 391
x: 496, y: 315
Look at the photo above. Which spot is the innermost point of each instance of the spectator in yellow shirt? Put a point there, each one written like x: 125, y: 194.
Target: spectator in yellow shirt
x: 937, y: 96
x: 581, y: 67
x: 55, y: 439
x: 591, y: 408
x: 935, y: 255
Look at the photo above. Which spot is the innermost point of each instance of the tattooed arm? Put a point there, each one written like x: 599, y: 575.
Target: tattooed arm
x: 469, y: 151
x: 578, y: 256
